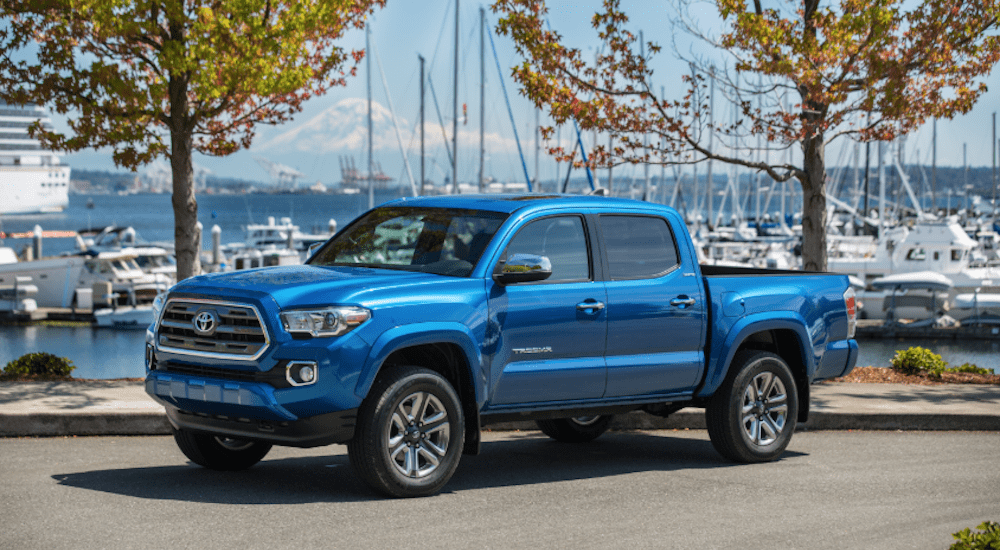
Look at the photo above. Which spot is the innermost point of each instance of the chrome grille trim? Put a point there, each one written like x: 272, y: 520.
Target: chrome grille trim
x: 240, y: 336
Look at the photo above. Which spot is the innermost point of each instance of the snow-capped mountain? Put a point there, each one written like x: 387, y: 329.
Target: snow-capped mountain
x: 343, y: 128
x: 340, y: 128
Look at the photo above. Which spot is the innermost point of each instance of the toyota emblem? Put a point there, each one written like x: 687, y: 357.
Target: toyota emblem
x: 205, y: 322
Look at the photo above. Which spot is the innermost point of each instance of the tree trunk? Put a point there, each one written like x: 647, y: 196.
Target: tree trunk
x: 187, y: 238
x: 814, y: 204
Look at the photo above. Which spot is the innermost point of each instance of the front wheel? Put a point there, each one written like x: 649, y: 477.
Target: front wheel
x: 220, y: 452
x: 409, y: 435
x: 579, y: 429
x: 752, y: 416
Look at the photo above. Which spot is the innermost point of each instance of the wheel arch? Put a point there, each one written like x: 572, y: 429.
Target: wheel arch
x: 786, y: 337
x: 442, y: 348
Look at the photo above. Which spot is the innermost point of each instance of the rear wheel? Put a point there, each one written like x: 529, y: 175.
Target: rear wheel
x: 579, y: 429
x: 220, y: 452
x: 752, y: 416
x: 410, y: 434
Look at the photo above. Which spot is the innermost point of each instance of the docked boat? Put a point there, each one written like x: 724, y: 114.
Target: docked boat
x: 150, y: 258
x: 921, y: 295
x: 282, y: 235
x: 32, y: 179
x: 68, y: 281
x: 978, y: 308
x: 928, y: 246
x: 134, y: 317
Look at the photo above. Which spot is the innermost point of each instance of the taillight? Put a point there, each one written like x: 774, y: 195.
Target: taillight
x: 852, y: 311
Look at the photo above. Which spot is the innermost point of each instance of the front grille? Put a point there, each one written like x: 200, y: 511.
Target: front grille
x: 238, y: 333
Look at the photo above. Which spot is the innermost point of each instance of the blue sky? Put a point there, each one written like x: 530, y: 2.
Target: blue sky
x: 406, y: 28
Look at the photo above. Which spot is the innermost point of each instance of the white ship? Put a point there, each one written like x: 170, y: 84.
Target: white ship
x: 32, y: 179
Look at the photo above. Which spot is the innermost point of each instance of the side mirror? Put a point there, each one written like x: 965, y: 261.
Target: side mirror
x: 523, y: 268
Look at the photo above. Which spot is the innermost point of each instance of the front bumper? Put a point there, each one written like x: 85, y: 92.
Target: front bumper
x: 315, y: 431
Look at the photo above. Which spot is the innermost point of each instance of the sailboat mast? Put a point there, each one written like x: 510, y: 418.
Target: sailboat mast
x: 934, y: 169
x: 645, y: 136
x: 538, y: 143
x: 454, y: 110
x: 881, y: 191
x: 423, y: 178
x: 711, y: 135
x: 482, y: 95
x: 371, y: 182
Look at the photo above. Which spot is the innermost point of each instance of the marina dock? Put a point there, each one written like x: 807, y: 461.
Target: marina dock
x: 47, y: 314
x: 874, y: 329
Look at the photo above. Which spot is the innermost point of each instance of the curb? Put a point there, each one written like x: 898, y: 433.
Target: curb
x: 155, y: 423
x: 72, y: 424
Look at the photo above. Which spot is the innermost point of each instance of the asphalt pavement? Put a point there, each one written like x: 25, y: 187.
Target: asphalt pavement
x: 116, y: 407
x: 653, y: 489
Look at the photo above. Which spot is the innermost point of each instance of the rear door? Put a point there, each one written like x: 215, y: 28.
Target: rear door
x: 656, y: 307
x: 551, y: 334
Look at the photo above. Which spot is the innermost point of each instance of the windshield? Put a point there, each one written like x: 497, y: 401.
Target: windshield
x: 445, y: 241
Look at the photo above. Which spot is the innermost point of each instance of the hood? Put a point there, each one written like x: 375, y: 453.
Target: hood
x: 305, y: 285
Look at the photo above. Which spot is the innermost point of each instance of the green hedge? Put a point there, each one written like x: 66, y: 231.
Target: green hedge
x: 987, y: 538
x: 39, y: 365
x: 918, y: 360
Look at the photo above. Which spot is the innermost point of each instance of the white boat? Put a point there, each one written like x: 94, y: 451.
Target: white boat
x: 150, y: 258
x: 939, y: 247
x: 18, y: 297
x: 930, y: 280
x: 942, y: 247
x: 921, y: 295
x: 251, y: 258
x: 124, y: 317
x: 284, y: 234
x: 61, y: 280
x: 32, y: 179
x: 978, y: 309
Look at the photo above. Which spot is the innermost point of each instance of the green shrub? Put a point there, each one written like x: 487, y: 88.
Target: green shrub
x: 916, y: 360
x: 986, y: 539
x: 970, y: 368
x: 41, y: 364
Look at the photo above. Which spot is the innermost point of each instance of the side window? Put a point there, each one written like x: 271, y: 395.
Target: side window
x: 639, y: 247
x: 562, y: 239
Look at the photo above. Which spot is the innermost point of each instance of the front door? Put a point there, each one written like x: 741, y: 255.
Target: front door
x: 550, y: 334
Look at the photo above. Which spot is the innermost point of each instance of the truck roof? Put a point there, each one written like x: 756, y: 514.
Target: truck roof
x: 511, y: 203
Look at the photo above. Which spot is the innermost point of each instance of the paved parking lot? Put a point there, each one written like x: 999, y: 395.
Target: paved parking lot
x: 651, y: 489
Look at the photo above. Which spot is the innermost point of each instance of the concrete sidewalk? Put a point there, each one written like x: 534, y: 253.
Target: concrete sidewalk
x: 112, y: 407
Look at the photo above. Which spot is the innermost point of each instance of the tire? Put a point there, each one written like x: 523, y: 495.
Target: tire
x: 576, y: 430
x: 409, y: 435
x: 218, y: 452
x: 751, y: 418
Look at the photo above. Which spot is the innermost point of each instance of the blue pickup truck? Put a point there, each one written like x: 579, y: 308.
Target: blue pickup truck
x: 426, y: 319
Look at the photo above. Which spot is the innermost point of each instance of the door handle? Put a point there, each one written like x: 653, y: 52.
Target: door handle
x: 590, y: 305
x: 678, y: 302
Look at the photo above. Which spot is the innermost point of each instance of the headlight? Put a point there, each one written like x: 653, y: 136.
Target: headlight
x: 331, y: 321
x: 158, y: 302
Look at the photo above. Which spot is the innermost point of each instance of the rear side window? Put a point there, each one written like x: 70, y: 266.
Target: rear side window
x: 562, y: 239
x: 639, y: 247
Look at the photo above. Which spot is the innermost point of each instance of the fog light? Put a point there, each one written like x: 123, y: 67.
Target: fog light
x: 300, y: 373
x: 306, y: 374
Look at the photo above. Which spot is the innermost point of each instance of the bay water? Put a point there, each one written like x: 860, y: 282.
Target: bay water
x: 152, y: 215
